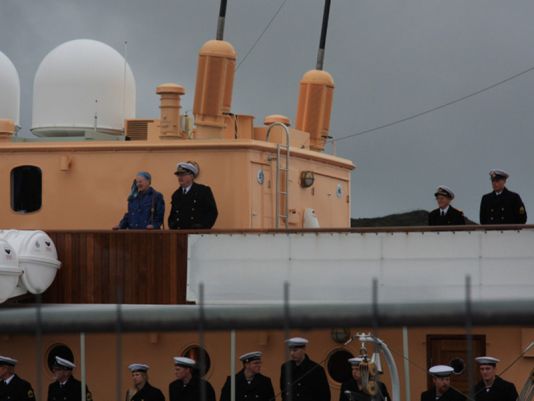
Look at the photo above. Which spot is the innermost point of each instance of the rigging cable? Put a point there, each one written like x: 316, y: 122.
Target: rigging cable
x: 436, y: 108
x: 261, y: 34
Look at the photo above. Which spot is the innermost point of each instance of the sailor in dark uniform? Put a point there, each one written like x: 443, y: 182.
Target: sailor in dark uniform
x: 307, y: 379
x: 492, y: 387
x: 353, y: 390
x: 188, y: 384
x: 445, y: 214
x: 501, y: 206
x: 12, y: 387
x: 250, y: 384
x: 441, y: 390
x: 66, y: 387
x: 142, y: 390
x: 193, y: 205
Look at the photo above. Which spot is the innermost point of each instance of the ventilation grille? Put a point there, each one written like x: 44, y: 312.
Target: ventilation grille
x: 137, y: 130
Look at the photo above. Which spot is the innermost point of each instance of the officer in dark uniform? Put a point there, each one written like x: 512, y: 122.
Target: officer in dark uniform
x: 66, y: 387
x: 143, y: 390
x: 250, y: 384
x: 445, y: 214
x: 441, y: 390
x: 12, y: 387
x: 492, y: 387
x: 307, y: 379
x: 193, y: 205
x: 188, y: 384
x: 501, y: 206
x: 353, y: 390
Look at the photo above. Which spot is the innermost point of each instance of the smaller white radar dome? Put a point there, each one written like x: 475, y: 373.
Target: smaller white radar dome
x: 82, y: 85
x: 9, y: 90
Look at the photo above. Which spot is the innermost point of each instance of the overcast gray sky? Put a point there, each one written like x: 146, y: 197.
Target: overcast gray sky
x: 389, y: 59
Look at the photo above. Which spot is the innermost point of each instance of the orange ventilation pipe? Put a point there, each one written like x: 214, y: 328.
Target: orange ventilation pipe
x: 170, y: 109
x: 7, y: 129
x: 215, y: 79
x: 315, y: 106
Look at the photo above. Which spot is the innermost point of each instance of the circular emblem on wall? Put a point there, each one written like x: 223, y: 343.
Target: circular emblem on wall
x: 260, y: 176
x: 339, y: 191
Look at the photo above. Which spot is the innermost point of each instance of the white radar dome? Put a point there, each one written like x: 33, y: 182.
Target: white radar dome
x: 82, y: 85
x: 9, y: 90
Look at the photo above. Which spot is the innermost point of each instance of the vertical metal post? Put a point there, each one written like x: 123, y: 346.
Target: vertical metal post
x: 469, y: 335
x: 406, y: 358
x: 289, y: 380
x: 201, y: 340
x: 38, y: 349
x: 232, y: 364
x: 82, y: 366
x: 118, y: 346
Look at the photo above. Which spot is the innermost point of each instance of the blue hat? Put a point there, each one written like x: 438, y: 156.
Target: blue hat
x: 355, y: 361
x: 441, y: 371
x: 5, y: 360
x: 250, y: 356
x: 296, y: 342
x: 184, y: 361
x: 138, y: 367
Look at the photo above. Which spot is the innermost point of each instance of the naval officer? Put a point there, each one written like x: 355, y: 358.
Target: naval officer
x: 445, y: 214
x: 441, y: 389
x: 142, y: 390
x: 352, y: 390
x: 193, y: 205
x: 66, y: 387
x: 307, y: 380
x: 188, y: 384
x: 250, y: 384
x: 12, y: 387
x: 492, y: 387
x: 501, y: 206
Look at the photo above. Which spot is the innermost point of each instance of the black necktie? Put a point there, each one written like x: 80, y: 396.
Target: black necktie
x: 442, y: 213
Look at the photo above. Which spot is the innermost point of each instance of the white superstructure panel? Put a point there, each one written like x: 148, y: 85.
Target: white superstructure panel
x: 340, y: 267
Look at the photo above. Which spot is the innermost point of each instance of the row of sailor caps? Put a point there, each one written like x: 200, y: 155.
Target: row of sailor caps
x: 446, y: 370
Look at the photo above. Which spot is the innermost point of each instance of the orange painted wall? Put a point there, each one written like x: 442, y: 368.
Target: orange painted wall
x: 92, y: 193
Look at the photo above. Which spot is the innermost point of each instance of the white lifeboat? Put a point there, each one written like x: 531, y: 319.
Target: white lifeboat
x: 37, y: 257
x: 10, y: 271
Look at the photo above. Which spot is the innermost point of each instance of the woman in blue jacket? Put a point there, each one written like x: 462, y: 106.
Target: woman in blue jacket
x: 146, y: 207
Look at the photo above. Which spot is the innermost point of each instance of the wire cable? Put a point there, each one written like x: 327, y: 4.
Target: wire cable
x: 431, y: 110
x: 261, y: 34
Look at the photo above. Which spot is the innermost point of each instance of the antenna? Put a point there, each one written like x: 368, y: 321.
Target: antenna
x: 320, y: 53
x: 95, y: 124
x: 124, y: 80
x: 220, y: 21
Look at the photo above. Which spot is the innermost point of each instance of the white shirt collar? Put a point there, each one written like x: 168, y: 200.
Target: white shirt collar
x: 444, y: 211
x: 8, y: 380
x: 186, y: 189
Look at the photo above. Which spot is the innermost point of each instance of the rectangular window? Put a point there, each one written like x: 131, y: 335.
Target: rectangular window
x: 26, y: 189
